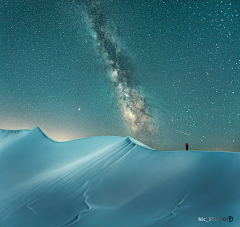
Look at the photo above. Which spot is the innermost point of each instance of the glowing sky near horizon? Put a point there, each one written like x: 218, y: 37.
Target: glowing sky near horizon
x: 165, y: 72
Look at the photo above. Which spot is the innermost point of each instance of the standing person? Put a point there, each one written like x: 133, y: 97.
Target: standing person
x: 186, y: 146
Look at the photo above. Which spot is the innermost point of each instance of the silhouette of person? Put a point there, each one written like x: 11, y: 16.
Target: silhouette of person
x: 186, y: 146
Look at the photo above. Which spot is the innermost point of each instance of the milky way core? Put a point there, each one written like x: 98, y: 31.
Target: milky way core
x: 133, y: 104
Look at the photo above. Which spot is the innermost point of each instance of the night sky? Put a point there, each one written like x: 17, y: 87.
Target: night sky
x: 163, y: 72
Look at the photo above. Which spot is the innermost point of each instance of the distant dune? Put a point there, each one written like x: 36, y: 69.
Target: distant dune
x: 113, y: 182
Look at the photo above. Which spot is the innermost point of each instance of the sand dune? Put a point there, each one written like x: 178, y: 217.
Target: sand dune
x: 113, y: 182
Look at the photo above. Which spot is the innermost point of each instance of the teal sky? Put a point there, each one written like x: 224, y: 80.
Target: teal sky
x: 185, y: 56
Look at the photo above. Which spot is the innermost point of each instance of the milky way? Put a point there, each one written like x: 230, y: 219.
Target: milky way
x: 133, y: 104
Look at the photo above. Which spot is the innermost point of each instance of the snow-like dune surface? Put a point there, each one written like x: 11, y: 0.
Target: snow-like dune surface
x: 112, y: 182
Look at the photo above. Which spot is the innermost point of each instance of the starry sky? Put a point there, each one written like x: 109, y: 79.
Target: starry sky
x: 163, y: 72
